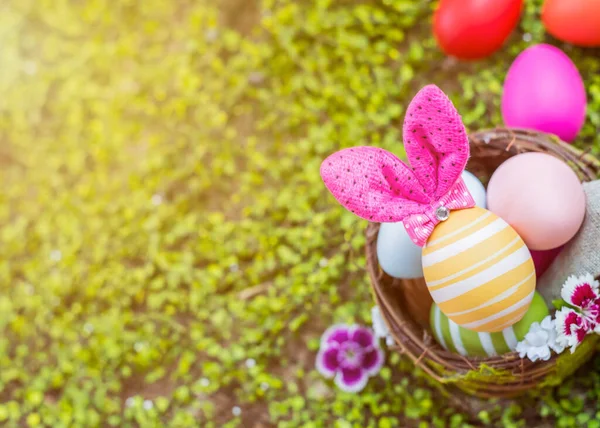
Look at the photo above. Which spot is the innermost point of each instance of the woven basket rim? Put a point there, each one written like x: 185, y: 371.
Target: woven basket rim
x: 416, y: 342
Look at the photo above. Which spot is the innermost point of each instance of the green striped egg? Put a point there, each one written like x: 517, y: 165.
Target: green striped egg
x: 473, y: 344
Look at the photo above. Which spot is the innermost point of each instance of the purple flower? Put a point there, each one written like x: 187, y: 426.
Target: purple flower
x: 351, y: 354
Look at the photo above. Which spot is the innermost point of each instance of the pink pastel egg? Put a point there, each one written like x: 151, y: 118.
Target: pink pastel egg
x: 540, y: 197
x: 543, y: 90
x: 543, y: 259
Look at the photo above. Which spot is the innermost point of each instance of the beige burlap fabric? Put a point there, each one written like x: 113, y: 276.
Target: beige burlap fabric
x: 582, y: 254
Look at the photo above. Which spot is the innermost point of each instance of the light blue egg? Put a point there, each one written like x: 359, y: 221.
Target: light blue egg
x: 398, y: 255
x: 475, y: 188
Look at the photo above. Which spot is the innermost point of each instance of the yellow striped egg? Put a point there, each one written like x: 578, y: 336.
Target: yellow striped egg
x: 479, y: 271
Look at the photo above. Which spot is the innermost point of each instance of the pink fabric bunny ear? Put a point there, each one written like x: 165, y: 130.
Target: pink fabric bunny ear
x: 435, y: 140
x: 373, y: 184
x: 377, y: 186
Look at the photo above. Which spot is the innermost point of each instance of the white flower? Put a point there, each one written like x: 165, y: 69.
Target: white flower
x: 540, y: 340
x: 380, y: 327
x: 536, y: 344
x: 548, y: 325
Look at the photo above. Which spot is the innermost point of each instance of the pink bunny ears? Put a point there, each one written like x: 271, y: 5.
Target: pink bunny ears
x: 377, y: 186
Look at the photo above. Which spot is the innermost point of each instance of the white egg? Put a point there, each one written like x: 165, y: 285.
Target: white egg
x: 398, y: 255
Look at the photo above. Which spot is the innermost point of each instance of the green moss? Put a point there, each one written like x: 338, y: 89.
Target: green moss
x: 169, y: 255
x: 567, y: 363
x: 473, y: 381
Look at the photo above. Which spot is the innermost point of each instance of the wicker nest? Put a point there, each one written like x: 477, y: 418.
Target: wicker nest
x: 405, y: 304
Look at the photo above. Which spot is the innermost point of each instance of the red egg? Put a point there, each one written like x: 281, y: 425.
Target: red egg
x: 543, y: 259
x: 473, y: 29
x: 573, y: 21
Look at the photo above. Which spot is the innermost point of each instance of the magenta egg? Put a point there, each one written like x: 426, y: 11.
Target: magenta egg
x: 543, y: 90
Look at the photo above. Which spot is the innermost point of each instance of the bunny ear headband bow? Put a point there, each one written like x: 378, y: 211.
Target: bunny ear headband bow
x: 377, y: 186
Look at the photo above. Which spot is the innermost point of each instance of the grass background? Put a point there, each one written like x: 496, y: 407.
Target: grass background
x: 168, y: 253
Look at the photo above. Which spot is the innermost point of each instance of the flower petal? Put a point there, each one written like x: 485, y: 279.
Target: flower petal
x: 535, y: 328
x: 327, y: 362
x: 580, y: 291
x: 537, y: 338
x: 575, y: 342
x: 336, y: 334
x: 363, y: 336
x: 547, y: 323
x: 571, y: 328
x: 536, y: 344
x: 589, y: 278
x: 351, y: 380
x: 539, y: 353
x: 566, y: 321
x: 372, y: 361
x: 531, y: 354
x: 549, y: 327
x: 379, y: 326
x: 521, y: 349
x: 556, y: 347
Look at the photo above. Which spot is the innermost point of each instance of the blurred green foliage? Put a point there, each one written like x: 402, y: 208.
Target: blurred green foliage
x: 169, y: 255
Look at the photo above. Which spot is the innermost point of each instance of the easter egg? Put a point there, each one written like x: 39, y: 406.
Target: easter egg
x: 476, y: 189
x: 398, y: 255
x: 543, y: 90
x: 478, y: 270
x: 543, y: 259
x: 540, y: 197
x: 473, y: 344
x: 472, y: 29
x: 573, y: 21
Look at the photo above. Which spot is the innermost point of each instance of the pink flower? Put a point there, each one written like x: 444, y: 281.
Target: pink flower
x: 351, y: 354
x: 582, y: 292
x: 571, y: 328
x: 572, y: 324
